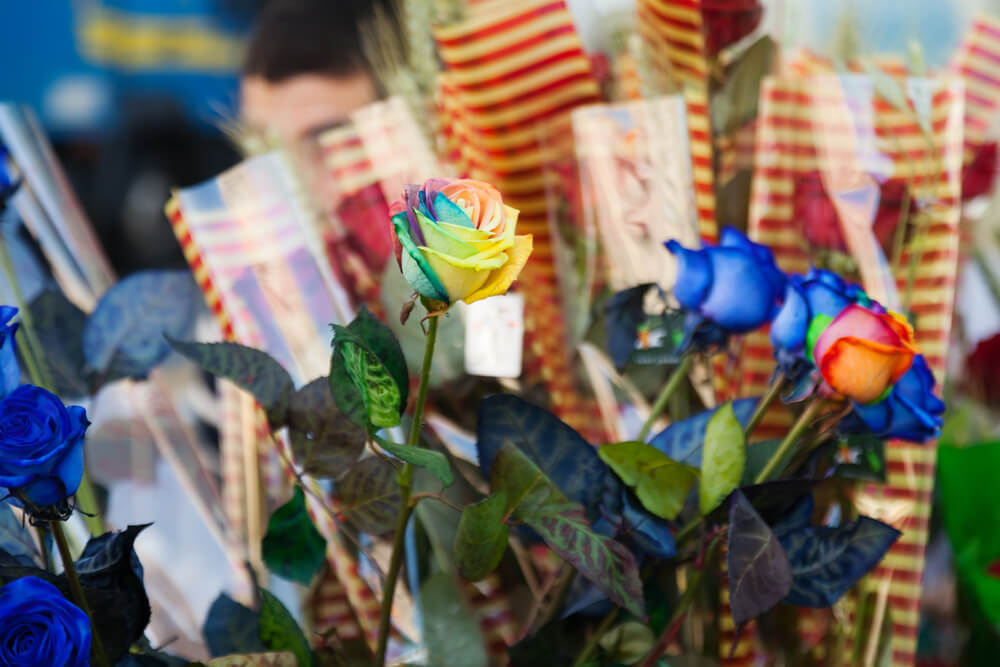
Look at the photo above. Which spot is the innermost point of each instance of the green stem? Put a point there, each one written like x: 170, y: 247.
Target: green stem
x: 405, y: 508
x: 674, y: 625
x: 76, y: 590
x: 673, y: 382
x: 595, y: 638
x: 32, y: 350
x: 86, y: 496
x: 805, y: 419
x: 763, y: 404
x: 687, y: 530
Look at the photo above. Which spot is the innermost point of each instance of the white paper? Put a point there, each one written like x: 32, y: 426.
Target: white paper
x: 494, y: 336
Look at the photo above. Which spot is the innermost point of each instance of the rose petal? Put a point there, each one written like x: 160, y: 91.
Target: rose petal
x: 788, y: 330
x: 416, y: 269
x: 500, y: 280
x: 462, y: 277
x: 694, y: 275
x: 863, y: 369
x: 439, y: 239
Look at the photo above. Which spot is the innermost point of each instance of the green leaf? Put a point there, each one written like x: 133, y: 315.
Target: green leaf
x: 275, y: 659
x: 661, y: 483
x: 292, y: 547
x: 758, y: 454
x: 535, y: 500
x: 735, y: 103
x: 628, y: 643
x: 723, y: 460
x: 482, y: 537
x: 279, y: 631
x: 451, y: 630
x: 231, y: 628
x: 253, y: 370
x: 367, y: 355
x: 370, y: 495
x: 324, y: 440
x: 605, y: 562
x: 434, y: 462
x: 525, y: 485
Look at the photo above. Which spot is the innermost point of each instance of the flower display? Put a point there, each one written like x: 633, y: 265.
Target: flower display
x: 10, y: 373
x: 911, y: 411
x: 456, y: 241
x: 728, y: 21
x: 41, y: 445
x: 858, y: 347
x: 38, y: 626
x: 734, y: 286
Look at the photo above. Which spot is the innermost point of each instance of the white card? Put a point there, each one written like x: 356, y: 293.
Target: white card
x: 494, y: 336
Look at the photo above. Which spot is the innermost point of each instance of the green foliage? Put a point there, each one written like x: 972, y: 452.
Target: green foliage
x: 482, y: 537
x: 760, y: 575
x: 723, y: 460
x: 368, y: 376
x: 325, y: 441
x: 231, y: 628
x: 661, y: 483
x: 280, y: 632
x: 434, y: 462
x: 251, y: 369
x: 292, y: 547
x: 451, y: 629
x: 370, y: 496
x: 535, y: 500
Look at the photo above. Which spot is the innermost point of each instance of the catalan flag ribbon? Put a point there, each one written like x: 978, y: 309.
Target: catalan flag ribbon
x: 843, y: 128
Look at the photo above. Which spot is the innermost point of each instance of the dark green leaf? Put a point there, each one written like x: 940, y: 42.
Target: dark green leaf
x: 684, y: 440
x: 370, y: 495
x: 251, y: 369
x: 826, y: 561
x: 526, y: 488
x: 451, y: 630
x: 367, y: 353
x: 292, y: 547
x: 434, y: 462
x: 661, y: 484
x: 559, y: 451
x: 758, y: 455
x: 16, y: 541
x: 124, y: 336
x: 624, y: 312
x: 482, y: 537
x: 324, y: 440
x: 723, y: 460
x: 280, y: 632
x: 231, y: 628
x: 760, y: 575
x: 609, y: 564
x: 534, y: 499
x: 735, y: 104
x: 58, y: 325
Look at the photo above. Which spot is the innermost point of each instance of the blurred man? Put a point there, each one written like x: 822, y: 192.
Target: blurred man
x: 305, y: 69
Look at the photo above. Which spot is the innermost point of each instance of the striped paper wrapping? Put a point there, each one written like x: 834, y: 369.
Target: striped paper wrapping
x: 514, y: 72
x: 368, y: 161
x: 246, y: 241
x: 637, y: 182
x: 977, y: 62
x: 795, y: 137
x: 672, y: 32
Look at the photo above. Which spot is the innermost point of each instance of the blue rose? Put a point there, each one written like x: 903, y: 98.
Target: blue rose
x: 911, y: 411
x: 38, y: 626
x: 730, y: 288
x: 41, y: 446
x: 10, y: 373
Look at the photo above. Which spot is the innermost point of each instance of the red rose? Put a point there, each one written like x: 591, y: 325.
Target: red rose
x: 813, y: 207
x: 727, y: 21
x: 979, y: 174
x: 982, y: 370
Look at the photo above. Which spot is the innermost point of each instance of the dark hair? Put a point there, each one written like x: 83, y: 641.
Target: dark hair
x: 296, y: 37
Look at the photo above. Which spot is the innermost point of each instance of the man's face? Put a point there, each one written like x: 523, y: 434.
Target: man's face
x: 297, y: 110
x: 300, y: 108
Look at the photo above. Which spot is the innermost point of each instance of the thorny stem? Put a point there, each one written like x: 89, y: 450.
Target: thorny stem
x: 405, y: 508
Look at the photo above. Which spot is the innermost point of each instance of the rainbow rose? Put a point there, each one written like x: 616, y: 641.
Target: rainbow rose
x: 455, y: 240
